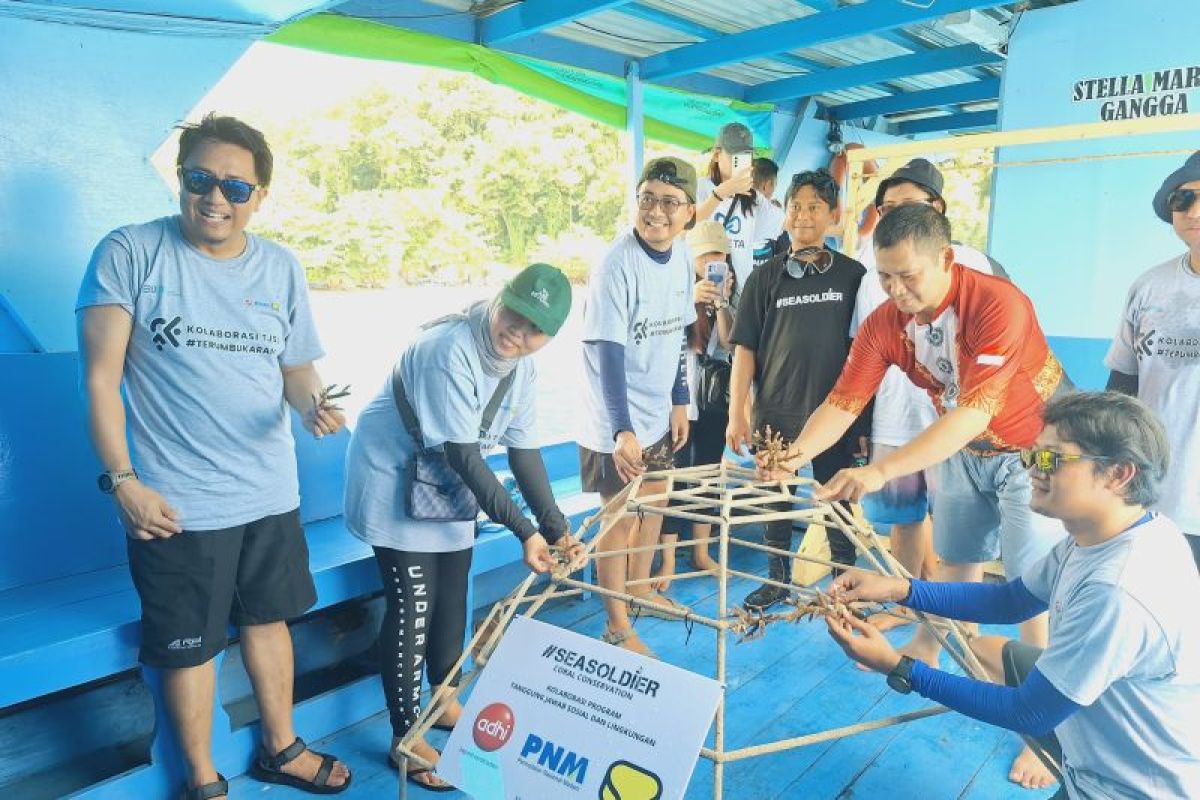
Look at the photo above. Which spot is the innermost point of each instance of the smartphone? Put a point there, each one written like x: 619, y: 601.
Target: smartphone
x: 742, y: 160
x: 716, y: 271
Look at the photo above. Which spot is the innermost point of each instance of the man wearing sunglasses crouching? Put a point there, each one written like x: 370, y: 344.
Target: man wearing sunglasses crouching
x: 208, y: 330
x: 1116, y: 694
x: 1155, y: 355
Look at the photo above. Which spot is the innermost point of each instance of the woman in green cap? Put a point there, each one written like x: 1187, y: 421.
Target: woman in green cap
x: 464, y: 385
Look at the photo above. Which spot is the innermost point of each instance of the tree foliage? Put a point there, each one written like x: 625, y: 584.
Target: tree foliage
x: 445, y: 181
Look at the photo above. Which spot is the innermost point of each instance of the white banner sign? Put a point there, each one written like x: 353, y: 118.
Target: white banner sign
x: 559, y: 715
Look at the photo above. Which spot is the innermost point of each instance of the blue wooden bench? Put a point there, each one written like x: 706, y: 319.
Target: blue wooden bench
x: 68, y: 610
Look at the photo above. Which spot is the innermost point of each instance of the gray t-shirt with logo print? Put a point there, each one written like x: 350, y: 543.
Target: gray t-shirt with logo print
x: 1125, y: 645
x: 207, y: 420
x: 644, y: 306
x: 1158, y: 340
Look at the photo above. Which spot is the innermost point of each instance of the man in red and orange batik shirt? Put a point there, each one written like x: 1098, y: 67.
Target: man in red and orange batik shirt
x: 974, y: 343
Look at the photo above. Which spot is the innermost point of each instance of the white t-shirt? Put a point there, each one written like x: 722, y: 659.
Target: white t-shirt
x: 1125, y: 645
x: 448, y: 390
x: 643, y: 305
x: 902, y: 410
x: 749, y: 237
x: 1159, y: 341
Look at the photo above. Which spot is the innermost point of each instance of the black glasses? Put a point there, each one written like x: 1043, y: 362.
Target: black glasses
x: 1047, y: 461
x: 670, y: 205
x: 1181, y: 200
x: 201, y: 182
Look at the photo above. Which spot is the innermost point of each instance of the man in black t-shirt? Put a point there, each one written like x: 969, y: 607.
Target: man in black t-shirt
x: 792, y: 339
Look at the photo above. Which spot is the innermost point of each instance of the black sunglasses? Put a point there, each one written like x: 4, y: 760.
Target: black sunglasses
x: 1181, y: 200
x: 1047, y: 461
x: 201, y: 182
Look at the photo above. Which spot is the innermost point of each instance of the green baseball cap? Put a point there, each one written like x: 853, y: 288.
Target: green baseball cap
x: 674, y: 171
x: 541, y: 294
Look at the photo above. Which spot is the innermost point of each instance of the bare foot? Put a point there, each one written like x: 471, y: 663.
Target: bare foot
x: 417, y: 774
x: 892, y: 618
x: 306, y: 765
x: 1029, y: 772
x: 705, y: 562
x: 665, y: 573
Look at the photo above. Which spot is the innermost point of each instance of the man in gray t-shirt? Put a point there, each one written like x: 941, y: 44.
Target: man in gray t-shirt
x: 1119, y: 683
x: 1155, y: 355
x: 207, y: 329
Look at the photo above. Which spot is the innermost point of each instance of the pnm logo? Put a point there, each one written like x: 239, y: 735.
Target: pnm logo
x: 165, y: 332
x: 1145, y: 344
x: 493, y: 727
x: 558, y: 760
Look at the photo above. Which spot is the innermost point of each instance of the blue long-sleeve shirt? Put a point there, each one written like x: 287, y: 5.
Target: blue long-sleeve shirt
x: 616, y: 390
x: 1035, y: 707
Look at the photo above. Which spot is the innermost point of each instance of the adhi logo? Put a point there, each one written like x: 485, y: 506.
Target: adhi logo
x: 493, y: 727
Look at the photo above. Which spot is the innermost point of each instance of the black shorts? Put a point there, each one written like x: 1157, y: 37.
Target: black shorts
x: 195, y: 583
x: 598, y: 473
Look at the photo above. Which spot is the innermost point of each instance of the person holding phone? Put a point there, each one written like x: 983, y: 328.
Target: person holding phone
x: 708, y: 368
x: 729, y: 197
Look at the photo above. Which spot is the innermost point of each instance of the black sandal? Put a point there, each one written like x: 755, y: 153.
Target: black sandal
x: 269, y: 769
x: 206, y: 791
x: 411, y: 775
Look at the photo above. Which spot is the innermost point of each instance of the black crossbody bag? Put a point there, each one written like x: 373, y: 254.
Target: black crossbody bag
x: 434, y: 491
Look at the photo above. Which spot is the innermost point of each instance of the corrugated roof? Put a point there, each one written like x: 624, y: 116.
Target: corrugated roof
x: 645, y: 28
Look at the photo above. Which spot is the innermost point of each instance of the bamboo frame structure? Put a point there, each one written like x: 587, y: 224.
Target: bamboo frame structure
x: 725, y: 497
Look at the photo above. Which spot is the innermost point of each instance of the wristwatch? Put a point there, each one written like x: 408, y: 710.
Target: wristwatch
x: 109, y: 481
x: 900, y: 678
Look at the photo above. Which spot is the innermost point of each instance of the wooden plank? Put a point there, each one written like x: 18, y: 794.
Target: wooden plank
x: 1023, y: 136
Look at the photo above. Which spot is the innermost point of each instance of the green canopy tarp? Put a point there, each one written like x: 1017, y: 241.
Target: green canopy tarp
x: 672, y: 116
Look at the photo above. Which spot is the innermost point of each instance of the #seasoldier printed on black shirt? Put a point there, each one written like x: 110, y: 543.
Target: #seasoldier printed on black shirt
x: 799, y: 329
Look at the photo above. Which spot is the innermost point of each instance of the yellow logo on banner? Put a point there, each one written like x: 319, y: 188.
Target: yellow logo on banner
x: 625, y: 781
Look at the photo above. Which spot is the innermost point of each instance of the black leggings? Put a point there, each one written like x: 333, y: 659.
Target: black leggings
x: 424, y: 625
